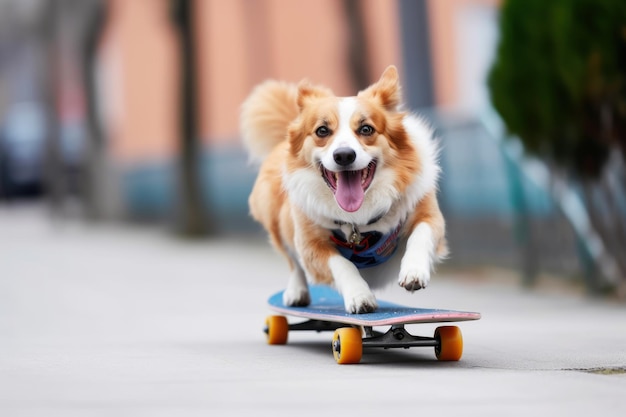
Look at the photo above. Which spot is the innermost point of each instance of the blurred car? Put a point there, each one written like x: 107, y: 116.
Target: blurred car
x: 22, y: 144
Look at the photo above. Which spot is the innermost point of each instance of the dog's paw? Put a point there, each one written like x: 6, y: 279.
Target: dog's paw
x: 414, y: 277
x: 360, y: 303
x: 296, y: 297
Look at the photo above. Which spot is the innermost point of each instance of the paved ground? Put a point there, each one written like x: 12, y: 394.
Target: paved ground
x: 112, y: 321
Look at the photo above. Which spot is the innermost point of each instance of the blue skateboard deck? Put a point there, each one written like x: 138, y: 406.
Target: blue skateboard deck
x: 353, y: 332
x: 327, y: 305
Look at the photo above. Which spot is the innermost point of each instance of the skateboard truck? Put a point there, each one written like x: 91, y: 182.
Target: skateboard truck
x: 396, y: 337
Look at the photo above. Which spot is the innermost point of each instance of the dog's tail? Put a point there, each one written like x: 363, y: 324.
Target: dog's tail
x: 265, y: 116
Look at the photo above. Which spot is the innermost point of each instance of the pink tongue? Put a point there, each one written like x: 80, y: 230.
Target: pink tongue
x: 349, y: 194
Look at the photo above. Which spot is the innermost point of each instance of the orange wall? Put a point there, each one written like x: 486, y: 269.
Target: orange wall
x: 140, y: 80
x: 221, y: 64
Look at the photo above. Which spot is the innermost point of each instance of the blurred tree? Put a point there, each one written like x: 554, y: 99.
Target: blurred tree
x: 416, y: 54
x: 48, y: 34
x: 358, y: 64
x: 192, y: 214
x: 69, y: 31
x: 94, y: 194
x: 559, y: 83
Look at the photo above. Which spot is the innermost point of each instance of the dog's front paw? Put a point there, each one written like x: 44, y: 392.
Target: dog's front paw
x: 414, y: 276
x: 360, y: 303
x: 296, y: 297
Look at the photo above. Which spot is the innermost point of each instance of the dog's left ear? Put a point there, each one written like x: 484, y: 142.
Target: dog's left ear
x: 386, y: 90
x: 308, y: 92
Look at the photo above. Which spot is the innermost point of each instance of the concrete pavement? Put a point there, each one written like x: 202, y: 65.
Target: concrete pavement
x: 116, y: 321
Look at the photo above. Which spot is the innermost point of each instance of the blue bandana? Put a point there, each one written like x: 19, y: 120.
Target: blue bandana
x: 373, y: 249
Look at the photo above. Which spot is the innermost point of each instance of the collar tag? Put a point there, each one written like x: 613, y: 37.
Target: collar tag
x: 355, y: 237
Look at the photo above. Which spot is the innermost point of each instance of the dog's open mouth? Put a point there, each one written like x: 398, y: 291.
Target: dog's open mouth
x: 349, y: 186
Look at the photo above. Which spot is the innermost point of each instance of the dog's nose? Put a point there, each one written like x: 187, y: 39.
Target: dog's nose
x: 344, y: 156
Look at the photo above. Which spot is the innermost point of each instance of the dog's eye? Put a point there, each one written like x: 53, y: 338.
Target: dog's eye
x: 322, y: 132
x: 366, y: 130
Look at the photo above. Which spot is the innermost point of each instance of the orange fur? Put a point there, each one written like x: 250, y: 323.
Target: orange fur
x: 427, y: 211
x: 265, y: 115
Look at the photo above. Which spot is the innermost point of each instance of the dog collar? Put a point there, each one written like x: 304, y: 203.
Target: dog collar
x: 371, y: 221
x: 366, y: 249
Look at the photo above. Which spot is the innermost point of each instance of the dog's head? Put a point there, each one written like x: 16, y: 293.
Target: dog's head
x: 353, y: 145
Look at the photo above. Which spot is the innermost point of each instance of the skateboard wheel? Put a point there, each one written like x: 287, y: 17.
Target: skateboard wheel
x: 347, y: 345
x: 450, y: 347
x: 277, y: 330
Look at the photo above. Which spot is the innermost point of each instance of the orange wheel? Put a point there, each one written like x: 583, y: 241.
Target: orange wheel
x: 347, y: 345
x: 450, y: 346
x: 277, y: 330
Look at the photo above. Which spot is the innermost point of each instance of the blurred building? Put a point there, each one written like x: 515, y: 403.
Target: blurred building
x: 137, y: 89
x: 446, y: 46
x: 237, y: 45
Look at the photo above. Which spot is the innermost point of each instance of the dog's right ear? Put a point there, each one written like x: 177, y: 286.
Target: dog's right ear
x: 386, y: 90
x: 308, y: 92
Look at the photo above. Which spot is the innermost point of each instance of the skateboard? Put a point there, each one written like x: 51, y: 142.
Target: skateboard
x: 354, y: 332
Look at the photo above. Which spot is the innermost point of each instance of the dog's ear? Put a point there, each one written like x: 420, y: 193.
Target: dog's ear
x: 386, y: 90
x: 308, y: 92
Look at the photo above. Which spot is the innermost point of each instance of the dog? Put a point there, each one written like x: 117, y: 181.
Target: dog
x: 346, y: 185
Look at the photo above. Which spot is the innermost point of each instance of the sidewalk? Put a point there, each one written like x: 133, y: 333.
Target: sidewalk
x: 116, y: 321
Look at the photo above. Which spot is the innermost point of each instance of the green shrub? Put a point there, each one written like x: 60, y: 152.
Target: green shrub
x: 559, y: 79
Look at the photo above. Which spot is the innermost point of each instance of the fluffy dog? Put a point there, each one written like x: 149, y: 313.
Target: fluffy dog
x: 346, y: 189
